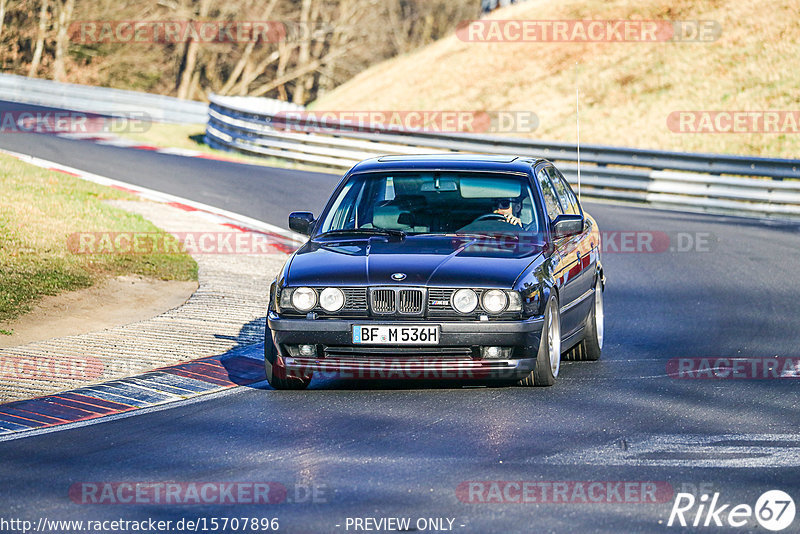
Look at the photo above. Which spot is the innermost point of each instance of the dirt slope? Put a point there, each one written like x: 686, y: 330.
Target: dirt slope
x: 628, y: 89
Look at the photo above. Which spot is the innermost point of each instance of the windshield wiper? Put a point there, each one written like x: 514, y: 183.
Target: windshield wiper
x: 365, y: 231
x: 495, y: 237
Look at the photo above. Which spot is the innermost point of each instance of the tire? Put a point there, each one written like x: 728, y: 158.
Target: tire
x: 276, y: 376
x: 589, y: 349
x: 548, y: 359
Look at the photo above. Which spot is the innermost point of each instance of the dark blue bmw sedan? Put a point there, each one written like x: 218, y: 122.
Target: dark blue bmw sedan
x: 439, y: 267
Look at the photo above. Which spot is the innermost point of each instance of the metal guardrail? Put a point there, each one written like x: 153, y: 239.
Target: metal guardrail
x: 101, y: 100
x: 107, y: 101
x: 718, y: 183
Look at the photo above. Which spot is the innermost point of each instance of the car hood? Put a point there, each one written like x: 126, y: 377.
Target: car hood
x: 425, y: 260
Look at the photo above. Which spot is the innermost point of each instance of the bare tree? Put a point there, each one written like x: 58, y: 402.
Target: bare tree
x: 39, y: 48
x: 284, y: 55
x: 328, y: 42
x: 248, y: 51
x: 2, y: 15
x: 309, y: 9
x: 62, y: 39
x: 190, y: 60
x: 297, y: 73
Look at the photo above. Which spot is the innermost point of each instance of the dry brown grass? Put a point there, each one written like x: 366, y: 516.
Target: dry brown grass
x: 628, y: 89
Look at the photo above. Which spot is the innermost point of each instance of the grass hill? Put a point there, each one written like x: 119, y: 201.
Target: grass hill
x: 628, y: 89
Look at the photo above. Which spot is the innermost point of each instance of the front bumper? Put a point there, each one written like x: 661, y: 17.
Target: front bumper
x: 457, y: 356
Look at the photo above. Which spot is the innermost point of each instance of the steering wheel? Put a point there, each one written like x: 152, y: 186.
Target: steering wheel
x: 491, y: 217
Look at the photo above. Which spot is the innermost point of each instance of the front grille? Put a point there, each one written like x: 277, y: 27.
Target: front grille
x: 355, y: 299
x: 410, y: 301
x: 439, y: 299
x: 398, y: 301
x: 383, y: 301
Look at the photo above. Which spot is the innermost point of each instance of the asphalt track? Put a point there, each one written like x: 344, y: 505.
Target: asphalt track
x: 401, y: 449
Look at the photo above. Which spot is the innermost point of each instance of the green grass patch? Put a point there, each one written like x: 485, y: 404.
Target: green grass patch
x: 39, y: 209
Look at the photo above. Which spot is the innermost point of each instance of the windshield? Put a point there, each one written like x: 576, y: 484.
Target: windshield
x: 435, y: 203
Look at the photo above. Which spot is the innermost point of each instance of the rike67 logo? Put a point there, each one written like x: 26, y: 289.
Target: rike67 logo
x: 774, y: 510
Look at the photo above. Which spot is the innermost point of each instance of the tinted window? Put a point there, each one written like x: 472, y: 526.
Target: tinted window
x: 571, y: 194
x: 435, y: 202
x: 565, y: 194
x: 550, y: 198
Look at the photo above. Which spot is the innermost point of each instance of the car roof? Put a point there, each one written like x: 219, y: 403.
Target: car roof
x: 448, y: 162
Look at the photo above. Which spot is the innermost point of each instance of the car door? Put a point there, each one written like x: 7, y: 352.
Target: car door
x: 582, y: 247
x: 565, y: 259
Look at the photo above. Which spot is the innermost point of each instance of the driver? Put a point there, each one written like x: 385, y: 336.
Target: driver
x: 510, y: 210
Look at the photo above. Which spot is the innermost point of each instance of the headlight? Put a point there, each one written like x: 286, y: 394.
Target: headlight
x: 465, y: 301
x: 514, y: 301
x: 331, y: 299
x: 304, y: 299
x: 494, y: 301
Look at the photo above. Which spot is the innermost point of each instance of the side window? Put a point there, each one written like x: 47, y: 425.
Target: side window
x: 565, y: 194
x: 570, y: 192
x: 550, y: 198
x: 341, y: 209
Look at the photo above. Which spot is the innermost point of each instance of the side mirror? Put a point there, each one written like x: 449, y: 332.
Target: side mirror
x: 567, y: 225
x: 301, y: 222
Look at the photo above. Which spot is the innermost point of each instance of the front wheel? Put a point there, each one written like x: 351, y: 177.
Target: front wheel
x: 548, y: 359
x: 276, y: 376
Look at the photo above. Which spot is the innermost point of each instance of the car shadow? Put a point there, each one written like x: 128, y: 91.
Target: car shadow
x: 244, y: 363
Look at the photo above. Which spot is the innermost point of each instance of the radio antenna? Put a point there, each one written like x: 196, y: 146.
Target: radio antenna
x: 578, y: 127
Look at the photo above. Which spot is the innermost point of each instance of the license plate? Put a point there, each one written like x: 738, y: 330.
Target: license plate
x: 395, y: 335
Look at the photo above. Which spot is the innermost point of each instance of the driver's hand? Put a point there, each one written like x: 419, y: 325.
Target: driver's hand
x: 509, y: 217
